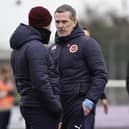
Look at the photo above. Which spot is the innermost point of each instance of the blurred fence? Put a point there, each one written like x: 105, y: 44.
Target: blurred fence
x: 118, y: 116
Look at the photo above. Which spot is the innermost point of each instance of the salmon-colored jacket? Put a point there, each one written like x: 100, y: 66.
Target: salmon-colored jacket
x: 6, y: 102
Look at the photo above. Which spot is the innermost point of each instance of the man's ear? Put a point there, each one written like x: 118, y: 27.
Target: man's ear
x: 75, y: 21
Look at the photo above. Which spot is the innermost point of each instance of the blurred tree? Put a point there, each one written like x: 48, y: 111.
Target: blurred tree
x: 111, y: 30
x: 18, y: 2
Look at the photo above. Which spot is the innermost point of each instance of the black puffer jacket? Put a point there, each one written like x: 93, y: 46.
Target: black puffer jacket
x: 32, y: 66
x: 80, y: 62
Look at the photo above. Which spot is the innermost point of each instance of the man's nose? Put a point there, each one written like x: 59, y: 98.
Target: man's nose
x: 60, y: 24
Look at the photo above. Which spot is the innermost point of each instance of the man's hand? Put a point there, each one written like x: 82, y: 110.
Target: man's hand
x: 85, y: 110
x: 105, y: 104
x: 87, y: 106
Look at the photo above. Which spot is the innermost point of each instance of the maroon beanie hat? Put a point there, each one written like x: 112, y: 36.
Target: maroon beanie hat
x: 39, y: 16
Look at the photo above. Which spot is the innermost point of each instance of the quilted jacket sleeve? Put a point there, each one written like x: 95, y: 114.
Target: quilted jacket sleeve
x: 38, y: 59
x: 96, y: 64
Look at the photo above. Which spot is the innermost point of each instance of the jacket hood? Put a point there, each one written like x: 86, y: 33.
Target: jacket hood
x: 22, y: 35
x: 77, y: 31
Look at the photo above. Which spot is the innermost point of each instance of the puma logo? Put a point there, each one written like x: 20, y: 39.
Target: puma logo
x: 77, y: 127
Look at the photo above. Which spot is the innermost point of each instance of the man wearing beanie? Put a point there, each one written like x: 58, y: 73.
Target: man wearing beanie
x: 33, y: 71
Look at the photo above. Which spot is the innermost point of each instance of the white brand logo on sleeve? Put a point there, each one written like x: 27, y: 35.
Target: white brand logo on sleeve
x: 53, y: 47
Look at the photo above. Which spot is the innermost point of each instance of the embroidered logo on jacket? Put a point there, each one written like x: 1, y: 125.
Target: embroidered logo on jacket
x: 73, y: 48
x: 53, y: 48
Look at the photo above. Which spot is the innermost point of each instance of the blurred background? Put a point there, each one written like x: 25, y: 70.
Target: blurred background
x: 108, y: 22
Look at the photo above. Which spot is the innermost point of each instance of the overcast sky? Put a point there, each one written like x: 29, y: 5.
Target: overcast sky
x: 12, y: 14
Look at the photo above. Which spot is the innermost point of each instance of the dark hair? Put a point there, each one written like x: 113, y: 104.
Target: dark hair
x: 65, y: 8
x: 87, y: 29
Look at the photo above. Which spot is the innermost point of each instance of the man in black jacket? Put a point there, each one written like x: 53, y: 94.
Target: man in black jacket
x: 80, y: 63
x: 33, y: 71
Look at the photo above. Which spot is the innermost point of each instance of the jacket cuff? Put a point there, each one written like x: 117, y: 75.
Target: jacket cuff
x: 88, y: 103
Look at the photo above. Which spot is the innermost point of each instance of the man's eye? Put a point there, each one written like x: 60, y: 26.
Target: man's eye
x: 57, y: 22
x: 64, y: 21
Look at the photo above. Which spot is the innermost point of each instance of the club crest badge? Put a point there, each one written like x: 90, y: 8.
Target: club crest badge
x: 73, y: 48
